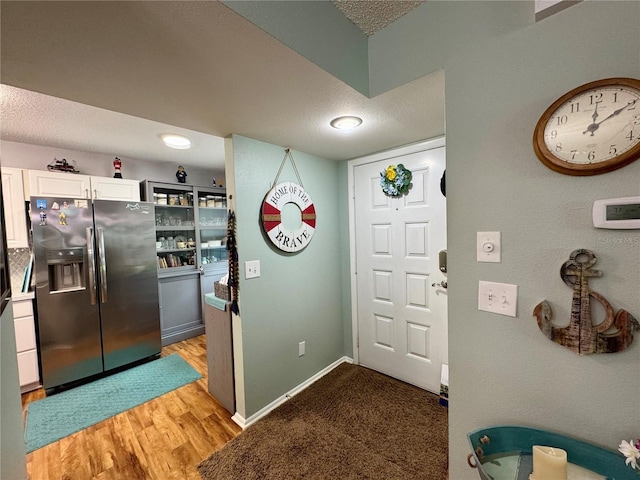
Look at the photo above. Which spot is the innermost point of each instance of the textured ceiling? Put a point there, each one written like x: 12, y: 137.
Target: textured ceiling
x: 37, y: 119
x: 188, y: 67
x: 373, y: 15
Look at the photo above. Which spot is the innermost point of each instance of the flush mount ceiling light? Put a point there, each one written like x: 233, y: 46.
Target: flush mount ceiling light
x: 172, y: 140
x: 346, y: 123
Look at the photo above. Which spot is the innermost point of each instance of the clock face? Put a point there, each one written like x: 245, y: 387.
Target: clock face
x: 592, y: 129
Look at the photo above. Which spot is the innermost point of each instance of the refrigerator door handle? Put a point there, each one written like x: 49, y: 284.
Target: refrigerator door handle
x: 92, y: 266
x: 102, y: 266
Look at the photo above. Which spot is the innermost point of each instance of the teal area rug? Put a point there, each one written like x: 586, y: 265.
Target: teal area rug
x: 70, y: 411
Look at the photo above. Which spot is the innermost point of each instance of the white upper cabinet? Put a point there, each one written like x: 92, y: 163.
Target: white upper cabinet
x: 105, y: 188
x: 14, y: 208
x: 56, y: 184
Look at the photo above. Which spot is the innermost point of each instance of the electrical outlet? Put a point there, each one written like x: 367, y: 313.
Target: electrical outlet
x: 252, y: 269
x: 301, y: 346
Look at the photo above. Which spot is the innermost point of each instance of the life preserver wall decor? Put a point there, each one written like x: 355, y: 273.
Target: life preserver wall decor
x: 275, y: 200
x: 282, y: 237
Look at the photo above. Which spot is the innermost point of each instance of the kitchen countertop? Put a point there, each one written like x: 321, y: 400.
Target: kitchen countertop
x: 219, y: 303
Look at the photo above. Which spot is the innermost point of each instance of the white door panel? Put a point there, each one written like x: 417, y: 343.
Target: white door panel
x: 402, y: 324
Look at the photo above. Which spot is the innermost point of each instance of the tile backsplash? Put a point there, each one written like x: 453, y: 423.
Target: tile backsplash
x: 18, y: 262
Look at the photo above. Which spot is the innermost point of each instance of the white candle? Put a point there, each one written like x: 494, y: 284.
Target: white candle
x: 549, y: 463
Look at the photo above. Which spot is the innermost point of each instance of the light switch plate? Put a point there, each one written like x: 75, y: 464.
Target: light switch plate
x: 252, y: 269
x: 500, y: 298
x: 488, y: 247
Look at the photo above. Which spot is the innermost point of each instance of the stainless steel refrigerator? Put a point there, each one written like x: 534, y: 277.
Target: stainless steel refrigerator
x: 96, y: 286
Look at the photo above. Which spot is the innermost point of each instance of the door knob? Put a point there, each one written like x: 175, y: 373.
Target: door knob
x: 439, y: 284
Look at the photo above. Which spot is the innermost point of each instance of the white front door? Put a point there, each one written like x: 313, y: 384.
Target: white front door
x: 401, y: 316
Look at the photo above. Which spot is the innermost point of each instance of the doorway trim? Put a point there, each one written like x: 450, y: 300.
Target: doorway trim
x: 352, y: 164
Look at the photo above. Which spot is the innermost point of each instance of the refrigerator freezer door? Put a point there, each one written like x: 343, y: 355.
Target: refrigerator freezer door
x: 68, y: 324
x: 128, y: 283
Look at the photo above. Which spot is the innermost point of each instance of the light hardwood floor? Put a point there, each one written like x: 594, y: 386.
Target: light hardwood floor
x: 162, y: 439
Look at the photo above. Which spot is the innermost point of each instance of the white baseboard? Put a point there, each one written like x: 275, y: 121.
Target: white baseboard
x: 239, y: 419
x: 244, y: 423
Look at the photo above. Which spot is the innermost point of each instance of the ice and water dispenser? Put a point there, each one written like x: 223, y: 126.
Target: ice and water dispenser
x: 66, y: 269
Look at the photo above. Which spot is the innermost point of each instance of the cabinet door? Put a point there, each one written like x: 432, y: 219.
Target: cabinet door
x: 57, y: 184
x: 212, y: 226
x: 22, y: 308
x: 180, y: 308
x: 14, y: 210
x: 28, y: 368
x: 175, y: 226
x: 25, y: 334
x: 105, y: 188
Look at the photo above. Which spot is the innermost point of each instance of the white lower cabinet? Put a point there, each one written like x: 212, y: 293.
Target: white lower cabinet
x: 26, y: 345
x: 28, y: 370
x: 25, y: 334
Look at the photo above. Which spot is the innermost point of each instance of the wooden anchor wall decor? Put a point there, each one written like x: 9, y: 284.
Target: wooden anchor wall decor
x: 582, y: 336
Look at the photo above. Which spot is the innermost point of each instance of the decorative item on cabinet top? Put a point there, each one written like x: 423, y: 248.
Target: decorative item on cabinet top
x: 181, y: 174
x: 62, y: 166
x: 117, y: 165
x: 613, y: 334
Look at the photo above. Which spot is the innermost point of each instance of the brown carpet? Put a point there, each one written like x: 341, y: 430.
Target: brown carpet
x: 352, y: 423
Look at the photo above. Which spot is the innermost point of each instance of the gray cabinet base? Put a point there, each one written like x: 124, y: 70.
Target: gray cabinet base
x: 180, y: 307
x: 183, y: 335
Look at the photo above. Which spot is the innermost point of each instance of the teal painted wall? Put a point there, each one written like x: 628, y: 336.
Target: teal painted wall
x: 498, y: 83
x: 298, y: 297
x: 345, y: 258
x: 427, y: 38
x: 501, y: 73
x: 502, y: 369
x: 316, y: 30
x: 12, y: 446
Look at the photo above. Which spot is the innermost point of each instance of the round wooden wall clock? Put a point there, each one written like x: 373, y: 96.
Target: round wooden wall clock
x: 594, y: 128
x: 284, y: 238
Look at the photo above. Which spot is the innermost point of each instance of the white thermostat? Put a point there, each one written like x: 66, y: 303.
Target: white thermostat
x: 617, y: 213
